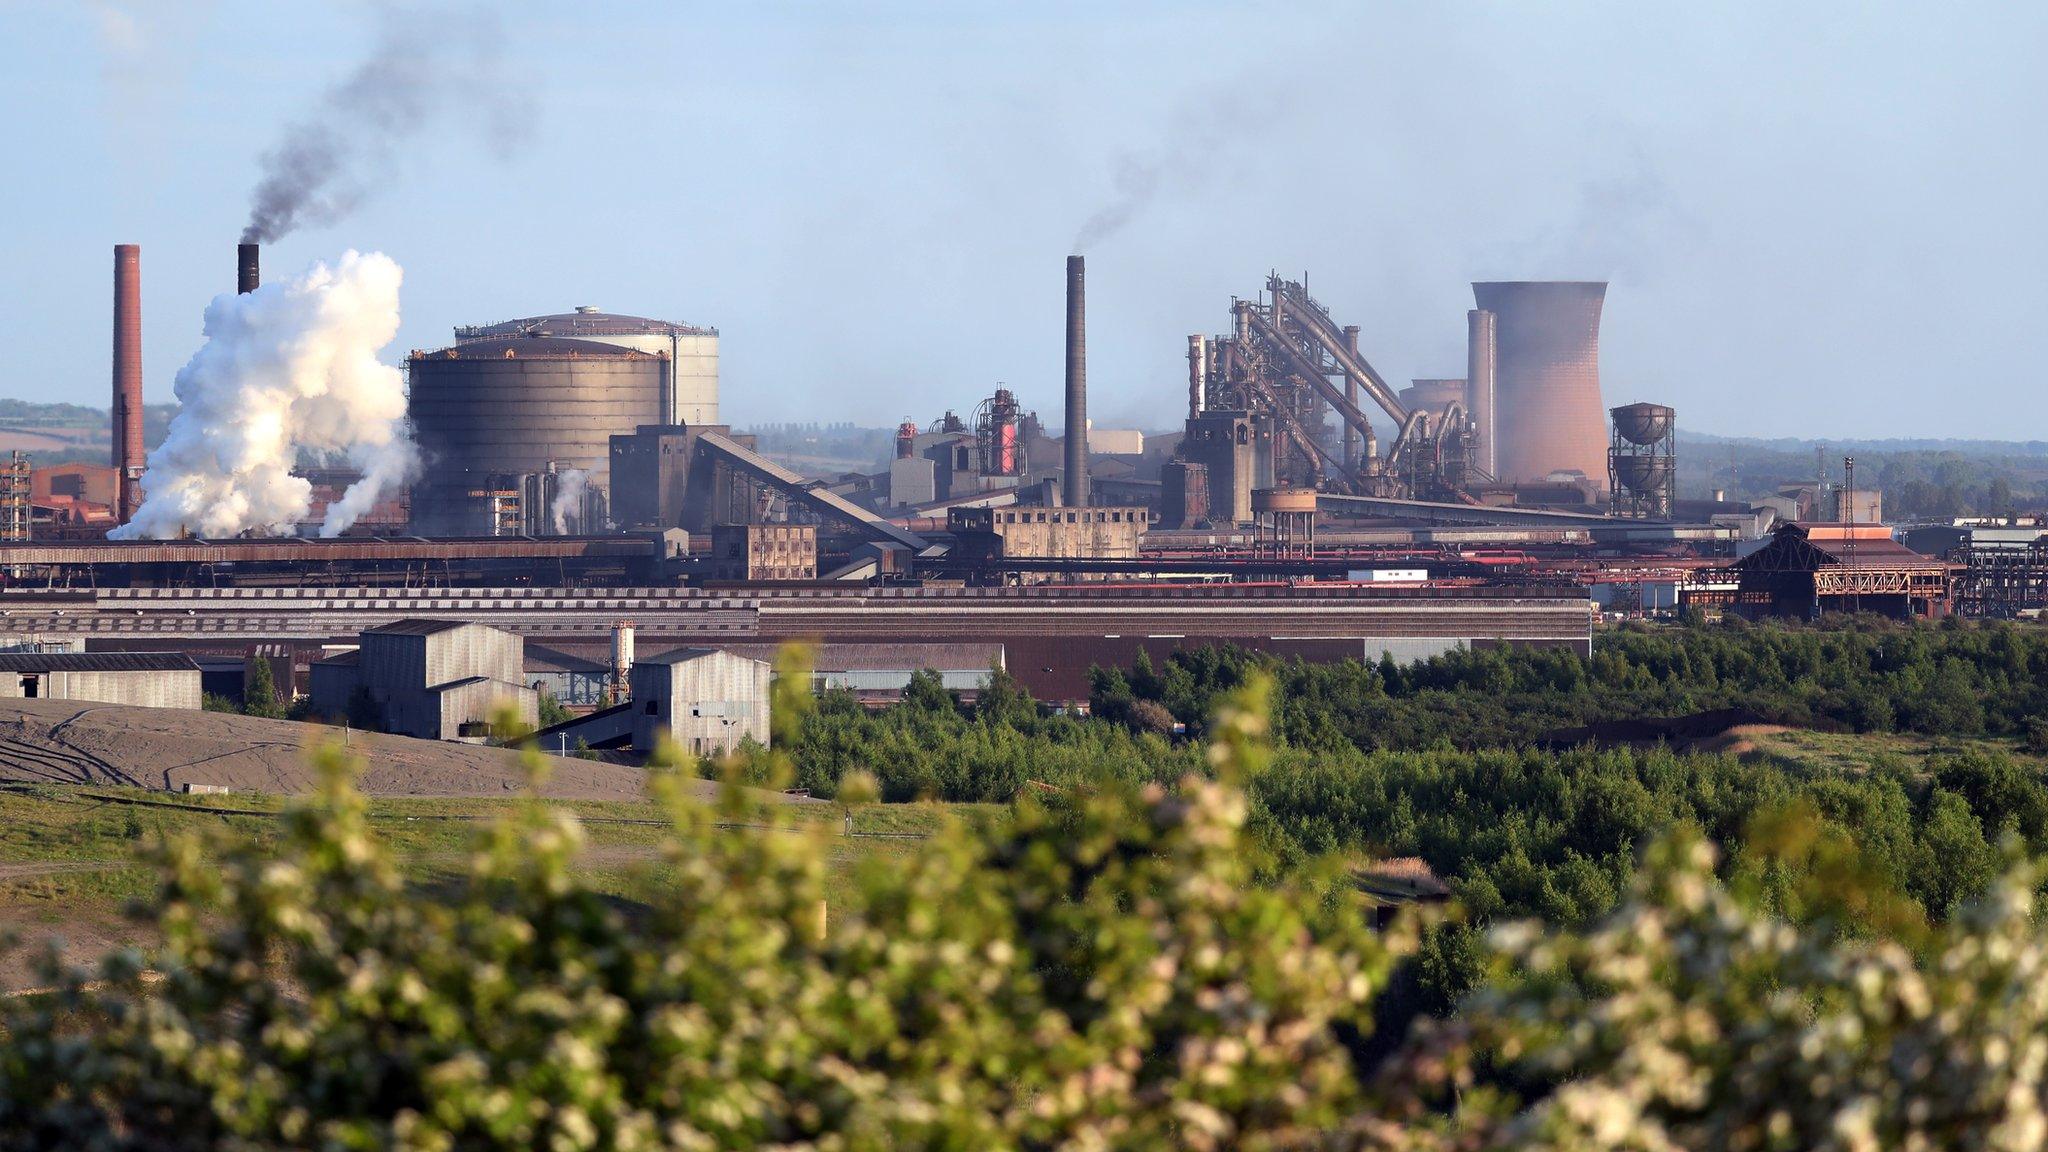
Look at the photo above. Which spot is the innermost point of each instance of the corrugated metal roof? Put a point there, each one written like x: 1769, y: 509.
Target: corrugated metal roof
x: 466, y: 681
x: 414, y: 627
x: 891, y: 657
x: 543, y: 658
x: 96, y: 662
x: 535, y: 348
x: 573, y: 324
x: 683, y: 656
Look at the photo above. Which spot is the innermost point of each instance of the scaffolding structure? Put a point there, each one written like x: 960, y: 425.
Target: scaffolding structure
x: 1287, y: 361
x: 16, y: 505
x: 2002, y: 582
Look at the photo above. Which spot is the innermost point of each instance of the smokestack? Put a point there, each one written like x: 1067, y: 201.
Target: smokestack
x: 1198, y: 374
x: 1075, y: 487
x: 246, y: 274
x: 127, y: 430
x: 1480, y: 354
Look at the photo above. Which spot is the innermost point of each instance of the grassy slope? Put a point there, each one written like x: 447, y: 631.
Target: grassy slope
x: 1861, y: 752
x: 69, y: 867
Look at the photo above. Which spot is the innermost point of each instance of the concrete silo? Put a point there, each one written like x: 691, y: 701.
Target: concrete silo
x: 1546, y: 378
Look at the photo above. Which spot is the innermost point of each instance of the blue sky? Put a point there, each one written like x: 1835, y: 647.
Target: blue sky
x: 1820, y: 222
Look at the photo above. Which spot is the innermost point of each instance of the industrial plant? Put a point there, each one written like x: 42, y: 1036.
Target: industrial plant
x: 569, y: 480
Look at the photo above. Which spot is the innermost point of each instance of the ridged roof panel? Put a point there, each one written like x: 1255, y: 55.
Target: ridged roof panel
x: 535, y: 348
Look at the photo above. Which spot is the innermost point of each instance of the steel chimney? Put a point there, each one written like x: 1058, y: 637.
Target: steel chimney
x: 247, y: 275
x: 1074, y: 489
x: 127, y: 414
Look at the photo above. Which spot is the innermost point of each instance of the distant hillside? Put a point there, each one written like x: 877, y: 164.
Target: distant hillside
x: 61, y: 433
x: 1922, y: 479
x: 1990, y: 448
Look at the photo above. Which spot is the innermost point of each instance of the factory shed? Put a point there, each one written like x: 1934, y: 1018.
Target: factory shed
x: 878, y: 673
x: 703, y: 699
x: 431, y: 679
x: 1808, y: 570
x: 141, y: 679
x: 573, y: 680
x: 332, y: 682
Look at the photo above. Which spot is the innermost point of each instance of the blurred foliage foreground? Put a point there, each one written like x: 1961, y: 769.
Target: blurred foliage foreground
x: 1107, y: 968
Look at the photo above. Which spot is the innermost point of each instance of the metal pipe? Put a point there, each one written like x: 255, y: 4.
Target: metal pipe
x: 247, y: 275
x: 1198, y: 375
x: 1074, y: 481
x: 127, y: 413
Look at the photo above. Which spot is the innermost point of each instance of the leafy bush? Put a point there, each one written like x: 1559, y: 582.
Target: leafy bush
x: 1096, y: 974
x: 553, y: 711
x: 1120, y: 968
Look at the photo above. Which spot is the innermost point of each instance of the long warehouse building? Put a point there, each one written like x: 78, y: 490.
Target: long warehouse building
x: 1052, y: 634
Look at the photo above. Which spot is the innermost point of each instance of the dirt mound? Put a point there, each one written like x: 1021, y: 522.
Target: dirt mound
x: 73, y: 742
x: 1700, y: 731
x: 1737, y: 741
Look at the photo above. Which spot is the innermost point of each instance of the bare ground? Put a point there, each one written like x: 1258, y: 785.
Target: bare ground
x: 73, y: 742
x: 81, y: 938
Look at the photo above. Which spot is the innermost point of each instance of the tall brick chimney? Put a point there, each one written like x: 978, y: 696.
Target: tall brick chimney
x: 127, y: 417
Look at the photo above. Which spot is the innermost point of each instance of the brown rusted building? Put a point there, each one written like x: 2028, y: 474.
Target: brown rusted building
x: 1050, y: 533
x: 1811, y: 570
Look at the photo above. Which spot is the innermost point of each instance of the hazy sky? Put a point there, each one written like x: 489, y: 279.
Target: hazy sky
x: 1820, y: 219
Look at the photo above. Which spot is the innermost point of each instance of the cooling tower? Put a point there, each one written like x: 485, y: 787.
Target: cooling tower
x: 1546, y: 379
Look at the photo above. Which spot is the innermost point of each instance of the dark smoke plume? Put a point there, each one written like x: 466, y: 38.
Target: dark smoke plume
x: 1185, y: 156
x: 422, y: 62
x: 1137, y: 182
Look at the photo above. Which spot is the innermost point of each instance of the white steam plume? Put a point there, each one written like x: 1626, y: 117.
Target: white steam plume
x: 290, y: 366
x: 569, y: 486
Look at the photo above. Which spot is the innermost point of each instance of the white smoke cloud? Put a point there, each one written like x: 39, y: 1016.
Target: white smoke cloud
x: 570, y: 484
x: 290, y: 366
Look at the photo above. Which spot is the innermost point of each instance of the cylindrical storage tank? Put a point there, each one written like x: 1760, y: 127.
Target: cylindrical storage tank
x: 1643, y: 424
x: 486, y: 411
x: 1644, y: 474
x: 692, y: 397
x: 1548, y: 413
x: 1432, y: 395
x: 1274, y: 500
